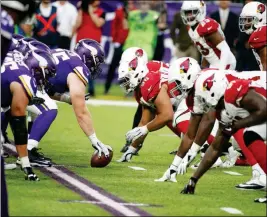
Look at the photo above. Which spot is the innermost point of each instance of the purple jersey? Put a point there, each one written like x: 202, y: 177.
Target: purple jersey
x: 67, y: 62
x: 7, y: 29
x: 15, y: 72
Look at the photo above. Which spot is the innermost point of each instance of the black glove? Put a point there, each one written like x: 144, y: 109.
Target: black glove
x: 190, y: 187
x: 36, y: 101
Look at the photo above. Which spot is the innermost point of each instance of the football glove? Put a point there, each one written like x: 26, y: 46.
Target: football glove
x: 100, y: 147
x: 169, y: 175
x: 189, y: 157
x: 136, y: 133
x: 190, y: 187
x: 127, y: 156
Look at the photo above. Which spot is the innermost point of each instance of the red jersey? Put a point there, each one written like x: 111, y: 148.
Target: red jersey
x: 257, y: 41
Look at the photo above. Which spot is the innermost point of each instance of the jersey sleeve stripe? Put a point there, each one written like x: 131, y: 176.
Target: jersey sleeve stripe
x: 26, y: 87
x: 83, y: 79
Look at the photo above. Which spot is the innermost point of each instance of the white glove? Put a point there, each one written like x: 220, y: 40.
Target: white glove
x: 169, y: 175
x: 99, y: 146
x: 188, y: 158
x: 136, y: 133
x: 127, y: 156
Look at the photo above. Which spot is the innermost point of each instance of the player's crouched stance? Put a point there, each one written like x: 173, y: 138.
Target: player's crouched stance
x: 69, y: 85
x: 19, y: 83
x: 245, y: 107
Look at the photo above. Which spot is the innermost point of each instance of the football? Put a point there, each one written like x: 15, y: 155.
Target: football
x: 100, y: 161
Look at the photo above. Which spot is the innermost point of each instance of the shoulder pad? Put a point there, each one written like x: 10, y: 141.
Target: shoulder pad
x: 207, y: 27
x: 258, y: 39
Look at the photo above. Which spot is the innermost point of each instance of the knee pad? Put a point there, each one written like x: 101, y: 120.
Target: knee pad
x: 19, y: 129
x: 251, y: 136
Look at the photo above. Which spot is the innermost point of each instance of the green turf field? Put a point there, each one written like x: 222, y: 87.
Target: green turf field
x: 66, y: 144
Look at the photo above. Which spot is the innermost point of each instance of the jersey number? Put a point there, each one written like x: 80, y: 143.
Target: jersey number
x: 12, y: 66
x: 61, y: 55
x: 203, y: 51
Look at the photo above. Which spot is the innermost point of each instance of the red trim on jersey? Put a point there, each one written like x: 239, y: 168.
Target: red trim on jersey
x: 258, y: 38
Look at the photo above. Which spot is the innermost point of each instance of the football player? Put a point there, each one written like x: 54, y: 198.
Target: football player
x: 149, y: 81
x: 252, y: 21
x: 207, y: 36
x: 240, y: 103
x: 69, y: 85
x: 18, y: 88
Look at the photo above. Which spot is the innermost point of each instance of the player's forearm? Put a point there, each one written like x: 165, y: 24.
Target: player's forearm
x: 85, y: 121
x: 136, y: 143
x: 211, y: 155
x: 253, y: 119
x: 225, y: 54
x: 159, y: 121
x: 263, y: 56
x: 204, y: 131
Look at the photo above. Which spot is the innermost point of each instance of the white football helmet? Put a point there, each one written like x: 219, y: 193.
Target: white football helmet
x: 210, y: 87
x: 253, y: 16
x: 193, y: 12
x: 183, y: 73
x: 132, y: 68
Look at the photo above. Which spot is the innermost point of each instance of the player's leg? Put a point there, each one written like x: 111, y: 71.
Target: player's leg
x: 257, y: 171
x: 136, y: 121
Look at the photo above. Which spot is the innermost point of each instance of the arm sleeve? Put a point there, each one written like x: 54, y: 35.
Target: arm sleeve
x: 225, y: 54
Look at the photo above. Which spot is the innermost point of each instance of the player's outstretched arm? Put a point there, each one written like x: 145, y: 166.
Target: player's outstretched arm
x: 164, y: 110
x: 77, y: 90
x: 210, y: 157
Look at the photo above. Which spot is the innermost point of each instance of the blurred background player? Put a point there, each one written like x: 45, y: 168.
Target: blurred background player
x: 252, y: 21
x: 208, y: 36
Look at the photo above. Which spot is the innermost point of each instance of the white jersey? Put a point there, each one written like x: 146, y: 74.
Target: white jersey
x: 211, y: 53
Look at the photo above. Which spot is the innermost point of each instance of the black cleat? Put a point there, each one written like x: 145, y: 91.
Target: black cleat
x: 38, y: 159
x: 29, y: 174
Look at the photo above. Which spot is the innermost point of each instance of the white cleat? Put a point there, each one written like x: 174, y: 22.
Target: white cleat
x: 10, y: 166
x: 231, y: 159
x: 257, y: 182
x: 169, y: 175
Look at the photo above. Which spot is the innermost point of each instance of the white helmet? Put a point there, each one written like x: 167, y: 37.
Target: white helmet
x: 183, y: 73
x: 193, y: 12
x: 253, y: 16
x: 210, y: 87
x: 132, y: 68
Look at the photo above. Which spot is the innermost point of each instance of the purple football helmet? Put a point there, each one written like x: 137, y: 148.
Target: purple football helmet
x: 22, y: 44
x: 41, y: 65
x: 92, y: 54
x: 36, y: 45
x: 14, y: 42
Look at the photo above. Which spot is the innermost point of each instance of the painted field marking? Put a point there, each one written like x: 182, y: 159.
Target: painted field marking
x: 233, y: 173
x: 92, y: 192
x: 97, y: 202
x: 79, y: 185
x: 137, y: 168
x: 232, y: 210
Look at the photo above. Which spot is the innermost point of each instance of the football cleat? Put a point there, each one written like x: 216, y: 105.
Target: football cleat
x: 261, y: 200
x: 29, y: 174
x: 10, y: 166
x: 38, y: 159
x: 231, y: 159
x: 125, y: 147
x: 257, y: 182
x: 169, y: 175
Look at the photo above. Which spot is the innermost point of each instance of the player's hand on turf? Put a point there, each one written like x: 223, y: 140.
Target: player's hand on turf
x: 190, y: 187
x: 169, y: 175
x: 182, y: 167
x: 136, y: 133
x: 189, y: 157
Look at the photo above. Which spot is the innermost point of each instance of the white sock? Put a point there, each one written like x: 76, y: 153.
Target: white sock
x: 195, y: 147
x: 32, y: 144
x: 258, y: 168
x: 132, y: 149
x: 176, y: 162
x: 25, y: 162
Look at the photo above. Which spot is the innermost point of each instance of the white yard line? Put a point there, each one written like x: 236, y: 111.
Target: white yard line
x: 232, y: 210
x: 233, y: 173
x: 117, y: 103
